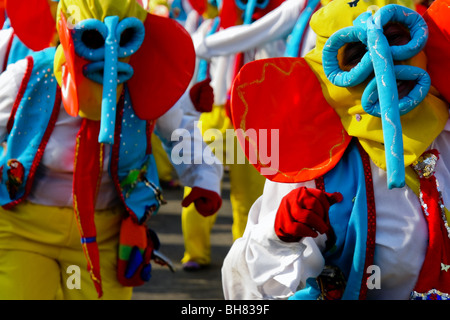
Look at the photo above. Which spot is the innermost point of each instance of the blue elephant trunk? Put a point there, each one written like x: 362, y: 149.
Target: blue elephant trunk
x: 249, y: 10
x: 110, y: 76
x: 388, y: 97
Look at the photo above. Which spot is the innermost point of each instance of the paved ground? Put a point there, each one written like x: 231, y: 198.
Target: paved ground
x: 181, y: 285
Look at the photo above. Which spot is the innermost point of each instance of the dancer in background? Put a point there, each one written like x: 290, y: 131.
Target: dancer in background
x: 241, y: 33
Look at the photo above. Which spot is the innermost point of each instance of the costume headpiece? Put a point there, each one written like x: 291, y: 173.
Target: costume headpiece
x: 111, y: 43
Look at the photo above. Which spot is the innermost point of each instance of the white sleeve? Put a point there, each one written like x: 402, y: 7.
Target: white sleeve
x: 192, y: 21
x: 10, y: 82
x: 192, y: 159
x: 259, y: 265
x: 275, y: 25
x: 5, y: 39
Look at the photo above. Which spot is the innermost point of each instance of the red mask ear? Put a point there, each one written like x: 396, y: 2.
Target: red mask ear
x: 32, y: 22
x: 438, y: 45
x: 163, y: 67
x: 283, y: 94
x: 68, y: 84
x: 199, y: 5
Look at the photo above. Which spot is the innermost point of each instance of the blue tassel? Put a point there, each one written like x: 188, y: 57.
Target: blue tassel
x: 134, y: 262
x: 146, y: 272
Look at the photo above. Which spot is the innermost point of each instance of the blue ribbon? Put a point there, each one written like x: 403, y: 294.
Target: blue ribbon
x: 380, y: 98
x: 88, y: 240
x: 203, y: 64
x: 249, y: 7
x: 105, y: 67
x: 296, y: 36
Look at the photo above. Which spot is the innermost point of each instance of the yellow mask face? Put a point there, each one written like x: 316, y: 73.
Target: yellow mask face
x: 420, y: 126
x: 90, y: 93
x: 98, y: 37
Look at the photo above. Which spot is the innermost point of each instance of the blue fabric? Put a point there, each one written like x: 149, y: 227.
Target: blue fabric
x: 142, y: 195
x: 146, y: 272
x: 180, y: 15
x: 203, y: 64
x: 18, y: 51
x: 134, y: 262
x: 24, y: 139
x: 296, y: 36
x: 348, y: 219
x: 311, y: 291
x: 88, y: 240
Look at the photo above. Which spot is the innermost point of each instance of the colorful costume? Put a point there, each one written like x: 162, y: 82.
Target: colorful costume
x: 77, y: 126
x: 331, y: 178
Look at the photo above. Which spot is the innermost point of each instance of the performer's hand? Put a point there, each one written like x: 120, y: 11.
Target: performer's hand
x: 202, y: 96
x: 303, y: 212
x: 206, y: 202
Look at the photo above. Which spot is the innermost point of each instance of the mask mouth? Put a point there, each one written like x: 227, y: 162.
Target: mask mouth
x: 95, y: 71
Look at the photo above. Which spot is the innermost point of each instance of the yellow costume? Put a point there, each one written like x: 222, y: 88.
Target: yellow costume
x: 246, y: 185
x: 42, y: 254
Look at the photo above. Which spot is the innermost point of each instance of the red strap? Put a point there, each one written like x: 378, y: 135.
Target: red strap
x: 435, y: 272
x: 86, y: 178
x: 371, y: 219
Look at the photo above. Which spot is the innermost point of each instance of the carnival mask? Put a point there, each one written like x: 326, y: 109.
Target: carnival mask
x: 108, y: 44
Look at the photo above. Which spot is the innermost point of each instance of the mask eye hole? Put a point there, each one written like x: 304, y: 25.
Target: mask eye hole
x: 93, y: 39
x: 130, y: 34
x: 241, y: 4
x: 351, y: 54
x: 262, y: 3
x: 127, y: 36
x: 396, y: 34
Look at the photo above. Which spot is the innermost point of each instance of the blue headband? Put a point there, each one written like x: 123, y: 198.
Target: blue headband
x: 295, y: 38
x: 380, y: 98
